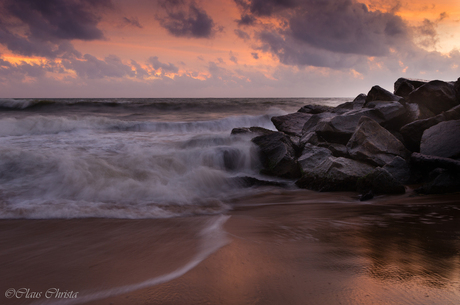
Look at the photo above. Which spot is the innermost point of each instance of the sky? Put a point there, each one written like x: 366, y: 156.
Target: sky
x: 222, y: 48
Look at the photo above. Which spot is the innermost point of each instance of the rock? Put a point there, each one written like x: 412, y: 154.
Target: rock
x: 393, y: 114
x: 373, y: 143
x: 359, y: 101
x: 368, y: 196
x: 278, y: 155
x: 335, y: 174
x: 404, y: 86
x: 310, y: 137
x: 445, y: 182
x: 412, y: 132
x: 426, y: 163
x: 338, y: 150
x: 312, y: 124
x: 380, y: 181
x: 256, y: 131
x: 437, y: 96
x: 312, y: 156
x: 247, y: 181
x: 292, y: 123
x: 442, y: 140
x: 377, y: 93
x: 315, y: 109
x: 339, y: 129
x: 399, y: 169
x: 417, y: 112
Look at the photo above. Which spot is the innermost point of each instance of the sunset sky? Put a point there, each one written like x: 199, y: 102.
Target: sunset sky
x: 223, y: 48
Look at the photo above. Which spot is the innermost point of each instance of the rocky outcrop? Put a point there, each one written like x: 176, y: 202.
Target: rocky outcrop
x: 292, y: 123
x: 315, y: 109
x: 412, y: 132
x: 437, y: 96
x: 374, y: 144
x: 278, y: 155
x: 335, y: 174
x: 377, y: 93
x: 379, y: 181
x: 393, y: 114
x: 442, y: 140
x: 404, y: 86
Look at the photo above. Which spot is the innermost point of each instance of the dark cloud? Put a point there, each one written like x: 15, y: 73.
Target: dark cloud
x: 242, y: 34
x: 156, y: 64
x: 255, y: 55
x: 92, y: 68
x: 246, y: 19
x: 185, y: 19
x: 132, y: 21
x: 233, y: 58
x: 49, y: 25
x: 265, y: 7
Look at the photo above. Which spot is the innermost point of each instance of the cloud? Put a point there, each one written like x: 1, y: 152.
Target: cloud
x: 246, y: 20
x: 49, y: 25
x: 132, y: 21
x: 255, y: 55
x: 157, y: 65
x: 92, y: 68
x: 185, y: 19
x: 233, y: 58
x: 242, y: 34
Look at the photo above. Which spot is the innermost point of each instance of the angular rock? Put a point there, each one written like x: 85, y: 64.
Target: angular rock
x: 335, y: 174
x: 338, y: 150
x: 377, y: 93
x: 399, y: 169
x: 310, y: 137
x: 437, y: 96
x: 442, y: 140
x: 312, y: 124
x: 373, y: 143
x: 315, y: 109
x: 426, y: 163
x: 339, y: 129
x: 445, y: 182
x: 412, y: 132
x: 393, y: 114
x: 404, y: 86
x: 312, y: 156
x: 256, y: 131
x: 277, y: 155
x: 292, y: 123
x: 380, y: 181
x: 247, y: 181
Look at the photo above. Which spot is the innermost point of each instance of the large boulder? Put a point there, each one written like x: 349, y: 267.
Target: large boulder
x: 254, y: 131
x: 412, y: 132
x: 445, y: 182
x: 356, y: 104
x: 437, y: 96
x: 393, y: 114
x: 278, y: 155
x: 442, y: 140
x: 373, y: 143
x: 399, y: 169
x: 426, y: 164
x: 312, y: 156
x: 417, y: 112
x: 292, y: 123
x: 380, y: 181
x: 404, y: 86
x: 315, y: 109
x: 312, y: 124
x: 338, y: 150
x: 377, y: 93
x: 335, y: 174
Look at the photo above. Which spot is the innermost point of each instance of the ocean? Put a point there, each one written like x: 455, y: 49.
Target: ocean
x: 130, y: 158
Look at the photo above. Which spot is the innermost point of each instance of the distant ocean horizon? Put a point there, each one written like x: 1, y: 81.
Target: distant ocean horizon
x: 130, y: 158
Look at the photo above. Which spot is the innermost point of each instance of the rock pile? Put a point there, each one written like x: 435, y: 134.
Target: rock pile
x: 375, y: 145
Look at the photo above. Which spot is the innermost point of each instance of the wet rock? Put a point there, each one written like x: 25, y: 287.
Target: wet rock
x: 399, y: 169
x: 426, y: 163
x: 278, y: 155
x: 393, y: 114
x: 247, y: 181
x: 445, y: 182
x: 412, y: 132
x: 367, y: 196
x: 380, y: 181
x: 315, y: 109
x: 338, y: 150
x: 442, y: 140
x: 437, y: 96
x: 292, y: 123
x: 335, y: 174
x: 417, y: 112
x: 310, y: 137
x: 373, y: 143
x: 312, y: 156
x: 312, y: 124
x: 377, y: 93
x: 256, y: 131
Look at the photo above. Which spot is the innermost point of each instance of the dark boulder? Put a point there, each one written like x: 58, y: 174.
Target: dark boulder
x: 312, y: 124
x: 247, y: 181
x: 335, y: 174
x: 312, y: 156
x: 442, y: 140
x: 444, y: 182
x: 315, y: 109
x: 393, y: 114
x: 255, y: 131
x: 278, y: 155
x: 412, y: 132
x: 338, y: 150
x: 437, y: 96
x: 309, y: 137
x: 377, y: 93
x: 292, y: 123
x: 404, y: 86
x: 373, y: 143
x: 399, y: 169
x: 379, y: 181
x: 426, y: 164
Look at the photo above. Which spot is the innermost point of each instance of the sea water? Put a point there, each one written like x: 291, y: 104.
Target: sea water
x: 130, y: 158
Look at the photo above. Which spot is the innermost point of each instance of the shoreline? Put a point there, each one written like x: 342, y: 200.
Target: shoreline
x: 325, y: 248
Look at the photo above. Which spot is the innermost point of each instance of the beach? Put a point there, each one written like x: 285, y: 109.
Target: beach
x: 278, y: 247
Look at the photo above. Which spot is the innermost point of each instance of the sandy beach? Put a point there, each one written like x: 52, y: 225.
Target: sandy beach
x: 296, y: 247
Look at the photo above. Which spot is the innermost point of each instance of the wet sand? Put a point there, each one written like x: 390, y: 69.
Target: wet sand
x: 286, y: 247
